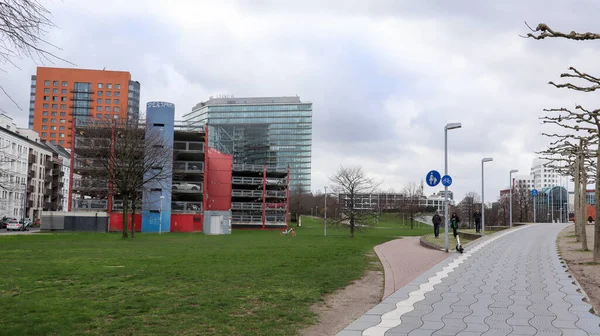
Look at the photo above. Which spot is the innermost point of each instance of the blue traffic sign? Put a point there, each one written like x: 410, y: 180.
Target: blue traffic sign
x: 433, y: 178
x: 534, y: 192
x: 446, y: 180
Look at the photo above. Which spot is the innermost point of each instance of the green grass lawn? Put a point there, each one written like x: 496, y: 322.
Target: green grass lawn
x: 247, y: 283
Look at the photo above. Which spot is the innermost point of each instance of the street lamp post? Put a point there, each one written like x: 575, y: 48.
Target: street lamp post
x: 449, y: 126
x: 484, y: 160
x: 511, y: 189
x: 325, y: 216
x: 160, y: 219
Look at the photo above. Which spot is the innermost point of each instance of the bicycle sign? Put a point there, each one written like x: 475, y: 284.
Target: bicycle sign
x: 447, y: 180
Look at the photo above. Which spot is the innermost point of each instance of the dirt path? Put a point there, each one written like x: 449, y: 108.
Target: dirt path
x: 580, y: 263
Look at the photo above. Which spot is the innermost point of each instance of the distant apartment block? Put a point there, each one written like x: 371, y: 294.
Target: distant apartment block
x: 275, y: 132
x: 60, y: 94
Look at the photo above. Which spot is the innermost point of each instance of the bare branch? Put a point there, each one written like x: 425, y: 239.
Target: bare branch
x: 543, y: 31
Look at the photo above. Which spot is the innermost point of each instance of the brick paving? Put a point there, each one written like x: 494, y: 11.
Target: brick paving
x: 404, y: 260
x: 509, y: 283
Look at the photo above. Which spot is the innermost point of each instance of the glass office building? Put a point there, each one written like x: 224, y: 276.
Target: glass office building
x: 271, y: 131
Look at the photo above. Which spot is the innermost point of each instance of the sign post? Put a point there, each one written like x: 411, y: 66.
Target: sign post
x: 534, y: 193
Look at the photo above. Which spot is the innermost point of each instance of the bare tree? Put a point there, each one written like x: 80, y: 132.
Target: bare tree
x: 23, y: 25
x: 468, y: 205
x: 350, y: 183
x: 570, y: 119
x: 523, y: 203
x: 127, y: 157
x: 410, y: 205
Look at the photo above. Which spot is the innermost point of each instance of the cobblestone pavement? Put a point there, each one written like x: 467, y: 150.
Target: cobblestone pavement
x: 510, y: 283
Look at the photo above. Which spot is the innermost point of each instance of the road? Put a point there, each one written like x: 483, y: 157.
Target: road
x: 3, y: 232
x: 510, y: 283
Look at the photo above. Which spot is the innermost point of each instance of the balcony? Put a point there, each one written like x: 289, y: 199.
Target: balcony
x: 32, y: 158
x: 186, y: 187
x: 258, y: 168
x: 188, y: 167
x: 276, y: 193
x: 188, y: 146
x: 31, y: 174
x: 186, y: 206
x: 81, y: 98
x: 246, y: 193
x: 246, y: 206
x: 90, y: 205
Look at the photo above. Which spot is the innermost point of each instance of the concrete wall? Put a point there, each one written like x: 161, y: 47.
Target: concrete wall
x: 74, y: 221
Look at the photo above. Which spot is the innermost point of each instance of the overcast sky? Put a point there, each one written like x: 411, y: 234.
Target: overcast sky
x: 384, y: 76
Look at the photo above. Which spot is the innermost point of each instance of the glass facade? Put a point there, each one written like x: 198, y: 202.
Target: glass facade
x: 81, y: 105
x: 276, y: 132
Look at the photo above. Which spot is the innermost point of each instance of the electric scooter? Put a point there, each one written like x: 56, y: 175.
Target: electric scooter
x: 459, y: 247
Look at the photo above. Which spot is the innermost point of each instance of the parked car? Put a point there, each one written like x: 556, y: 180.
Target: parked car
x: 14, y: 224
x: 186, y: 186
x: 3, y: 222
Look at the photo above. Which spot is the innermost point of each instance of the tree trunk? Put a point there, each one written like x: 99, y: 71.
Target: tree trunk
x: 583, y: 210
x: 577, y: 198
x: 597, y: 224
x: 133, y: 219
x: 125, y: 219
x: 351, y: 224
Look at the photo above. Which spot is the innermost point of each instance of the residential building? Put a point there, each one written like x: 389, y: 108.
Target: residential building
x: 60, y: 94
x: 13, y: 168
x: 61, y: 175
x: 524, y: 182
x: 543, y: 176
x: 267, y: 131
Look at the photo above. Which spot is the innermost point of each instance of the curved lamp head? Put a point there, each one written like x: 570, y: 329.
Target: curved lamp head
x: 514, y: 171
x: 487, y: 159
x: 162, y: 197
x: 453, y: 126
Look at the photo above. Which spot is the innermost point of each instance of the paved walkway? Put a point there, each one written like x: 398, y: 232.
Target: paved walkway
x: 509, y: 283
x: 404, y: 260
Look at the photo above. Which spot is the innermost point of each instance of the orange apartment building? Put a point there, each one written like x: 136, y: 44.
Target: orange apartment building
x: 58, y: 95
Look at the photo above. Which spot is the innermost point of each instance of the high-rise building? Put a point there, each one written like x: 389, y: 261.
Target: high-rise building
x: 275, y: 132
x: 544, y: 177
x: 60, y: 94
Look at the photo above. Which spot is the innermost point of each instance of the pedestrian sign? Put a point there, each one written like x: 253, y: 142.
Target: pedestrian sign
x: 446, y: 180
x: 534, y: 192
x: 433, y: 178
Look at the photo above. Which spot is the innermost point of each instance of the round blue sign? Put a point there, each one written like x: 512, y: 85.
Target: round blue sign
x: 447, y: 180
x: 433, y: 178
x: 534, y: 192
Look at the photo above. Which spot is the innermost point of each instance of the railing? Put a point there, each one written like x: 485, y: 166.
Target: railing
x: 276, y: 193
x: 255, y: 167
x: 186, y: 187
x: 90, y: 205
x: 247, y: 180
x: 89, y: 184
x: 275, y: 206
x: 118, y: 205
x: 269, y: 220
x: 188, y: 167
x: 246, y: 193
x: 246, y: 206
x: 186, y: 206
x: 189, y: 146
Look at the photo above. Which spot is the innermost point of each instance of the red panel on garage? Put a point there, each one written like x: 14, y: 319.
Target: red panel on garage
x: 218, y: 180
x: 186, y: 223
x: 116, y: 222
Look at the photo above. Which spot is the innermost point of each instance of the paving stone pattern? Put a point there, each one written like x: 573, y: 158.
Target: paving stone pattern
x: 513, y: 283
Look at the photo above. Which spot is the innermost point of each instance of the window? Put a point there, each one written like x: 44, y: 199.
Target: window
x: 55, y: 91
x: 63, y: 121
x: 64, y: 83
x: 98, y: 108
x: 98, y: 115
x: 53, y: 121
x: 44, y: 127
x: 44, y: 134
x: 107, y: 109
x: 63, y: 91
x: 61, y: 142
x: 63, y: 106
x: 61, y: 128
x: 100, y: 85
x: 117, y: 101
x: 55, y: 83
x: 61, y: 135
x: 45, y: 106
x: 100, y: 93
x: 53, y: 128
x: 54, y: 114
x: 46, y: 98
x: 46, y: 83
x: 44, y: 120
x: 54, y: 98
x: 118, y: 86
x: 63, y: 99
x: 109, y: 86
x: 53, y: 142
x: 116, y: 109
x: 107, y: 100
x: 54, y: 106
x: 63, y: 114
x: 46, y: 90
x: 117, y: 94
x: 45, y: 113
x: 99, y: 101
x: 107, y: 116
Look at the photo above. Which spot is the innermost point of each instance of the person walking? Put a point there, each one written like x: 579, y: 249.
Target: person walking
x: 454, y: 220
x: 436, y: 220
x: 477, y: 218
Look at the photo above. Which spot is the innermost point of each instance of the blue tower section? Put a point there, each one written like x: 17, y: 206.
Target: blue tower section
x: 160, y: 117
